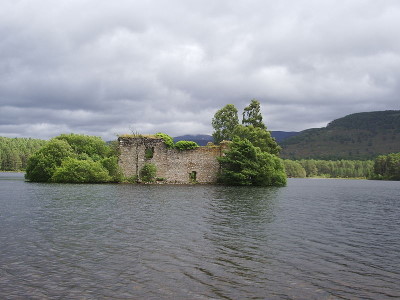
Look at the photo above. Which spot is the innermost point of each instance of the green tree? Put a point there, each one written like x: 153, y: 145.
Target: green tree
x: 387, y: 167
x: 93, y: 146
x: 310, y: 166
x: 148, y: 173
x: 73, y: 170
x: 245, y: 164
x: 252, y: 115
x: 294, y: 169
x: 114, y: 170
x: 224, y: 122
x: 259, y: 137
x: 74, y: 158
x: 43, y: 164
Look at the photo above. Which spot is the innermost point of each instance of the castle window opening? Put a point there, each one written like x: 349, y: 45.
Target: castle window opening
x: 193, y: 176
x: 149, y: 153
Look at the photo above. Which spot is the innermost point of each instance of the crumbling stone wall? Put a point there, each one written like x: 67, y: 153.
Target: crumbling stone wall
x: 175, y: 166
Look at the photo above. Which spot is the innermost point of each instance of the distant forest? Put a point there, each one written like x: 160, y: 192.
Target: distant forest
x: 359, y: 136
x: 14, y: 152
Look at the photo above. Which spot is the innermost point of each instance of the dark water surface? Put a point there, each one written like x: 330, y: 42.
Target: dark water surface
x: 314, y: 239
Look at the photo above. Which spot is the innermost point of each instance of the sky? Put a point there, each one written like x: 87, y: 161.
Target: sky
x: 105, y: 68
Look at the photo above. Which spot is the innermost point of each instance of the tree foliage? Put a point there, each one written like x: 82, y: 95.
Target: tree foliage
x: 73, y: 170
x: 15, y: 152
x: 252, y: 157
x: 259, y: 137
x: 148, y: 173
x: 186, y: 145
x: 74, y: 158
x: 387, y: 167
x: 224, y: 122
x: 93, y: 146
x: 43, y: 163
x: 328, y: 168
x: 294, y: 169
x: 245, y: 164
x: 252, y: 115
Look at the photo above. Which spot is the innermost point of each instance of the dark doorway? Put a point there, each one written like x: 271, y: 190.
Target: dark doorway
x: 193, y: 177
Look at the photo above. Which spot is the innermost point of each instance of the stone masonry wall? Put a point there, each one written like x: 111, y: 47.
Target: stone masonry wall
x: 175, y: 166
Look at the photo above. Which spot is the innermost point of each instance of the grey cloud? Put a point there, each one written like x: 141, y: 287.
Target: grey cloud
x: 103, y: 67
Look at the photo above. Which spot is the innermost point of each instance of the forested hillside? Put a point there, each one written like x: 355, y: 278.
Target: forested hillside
x: 14, y: 152
x: 356, y: 136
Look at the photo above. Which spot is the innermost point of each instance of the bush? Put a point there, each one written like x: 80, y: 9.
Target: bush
x: 131, y: 179
x: 114, y: 170
x: 168, y: 140
x: 73, y: 170
x: 43, y: 163
x: 294, y: 169
x: 148, y: 173
x: 91, y: 145
x: 186, y: 145
x: 387, y: 167
x: 74, y: 158
x: 245, y: 164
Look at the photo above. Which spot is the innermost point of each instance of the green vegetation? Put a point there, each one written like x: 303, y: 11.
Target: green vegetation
x: 259, y: 137
x: 252, y: 115
x: 245, y: 164
x: 80, y: 171
x: 224, y: 122
x: 149, y: 153
x: 252, y: 157
x: 387, y: 167
x: 74, y: 158
x: 294, y: 169
x: 15, y: 152
x: 360, y: 136
x: 168, y: 140
x: 186, y: 145
x: 328, y: 168
x: 180, y: 145
x: 148, y: 173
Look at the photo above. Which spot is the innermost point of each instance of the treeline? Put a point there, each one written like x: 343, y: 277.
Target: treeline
x: 329, y: 168
x: 15, y: 152
x: 75, y: 158
x: 387, y: 167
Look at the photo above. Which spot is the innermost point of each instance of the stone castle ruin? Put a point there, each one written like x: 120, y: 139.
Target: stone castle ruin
x: 173, y: 165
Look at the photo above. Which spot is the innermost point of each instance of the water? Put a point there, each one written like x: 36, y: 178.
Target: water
x: 314, y: 239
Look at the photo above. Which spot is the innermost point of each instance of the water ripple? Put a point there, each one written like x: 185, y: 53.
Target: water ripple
x: 314, y: 239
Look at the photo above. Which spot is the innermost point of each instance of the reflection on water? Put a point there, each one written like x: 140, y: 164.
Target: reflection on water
x: 314, y: 239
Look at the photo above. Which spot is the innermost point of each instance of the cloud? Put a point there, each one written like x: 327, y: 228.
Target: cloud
x: 103, y: 67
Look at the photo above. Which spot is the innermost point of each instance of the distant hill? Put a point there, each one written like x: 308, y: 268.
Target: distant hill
x: 356, y: 136
x: 280, y: 136
x: 203, y: 139
x: 200, y: 139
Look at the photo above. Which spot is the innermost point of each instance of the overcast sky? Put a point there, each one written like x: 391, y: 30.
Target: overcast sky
x: 111, y: 67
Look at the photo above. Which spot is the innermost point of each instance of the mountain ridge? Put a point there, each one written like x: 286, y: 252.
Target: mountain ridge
x: 363, y: 135
x: 356, y: 136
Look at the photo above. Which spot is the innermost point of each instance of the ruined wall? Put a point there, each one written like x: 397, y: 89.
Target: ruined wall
x: 175, y: 166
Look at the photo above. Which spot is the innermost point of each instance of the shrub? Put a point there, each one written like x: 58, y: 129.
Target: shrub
x: 186, y: 145
x: 168, y: 140
x: 114, y: 170
x: 67, y: 157
x: 245, y: 164
x: 43, y: 163
x: 148, y: 173
x: 131, y: 179
x: 91, y: 145
x: 73, y: 170
x: 149, y: 153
